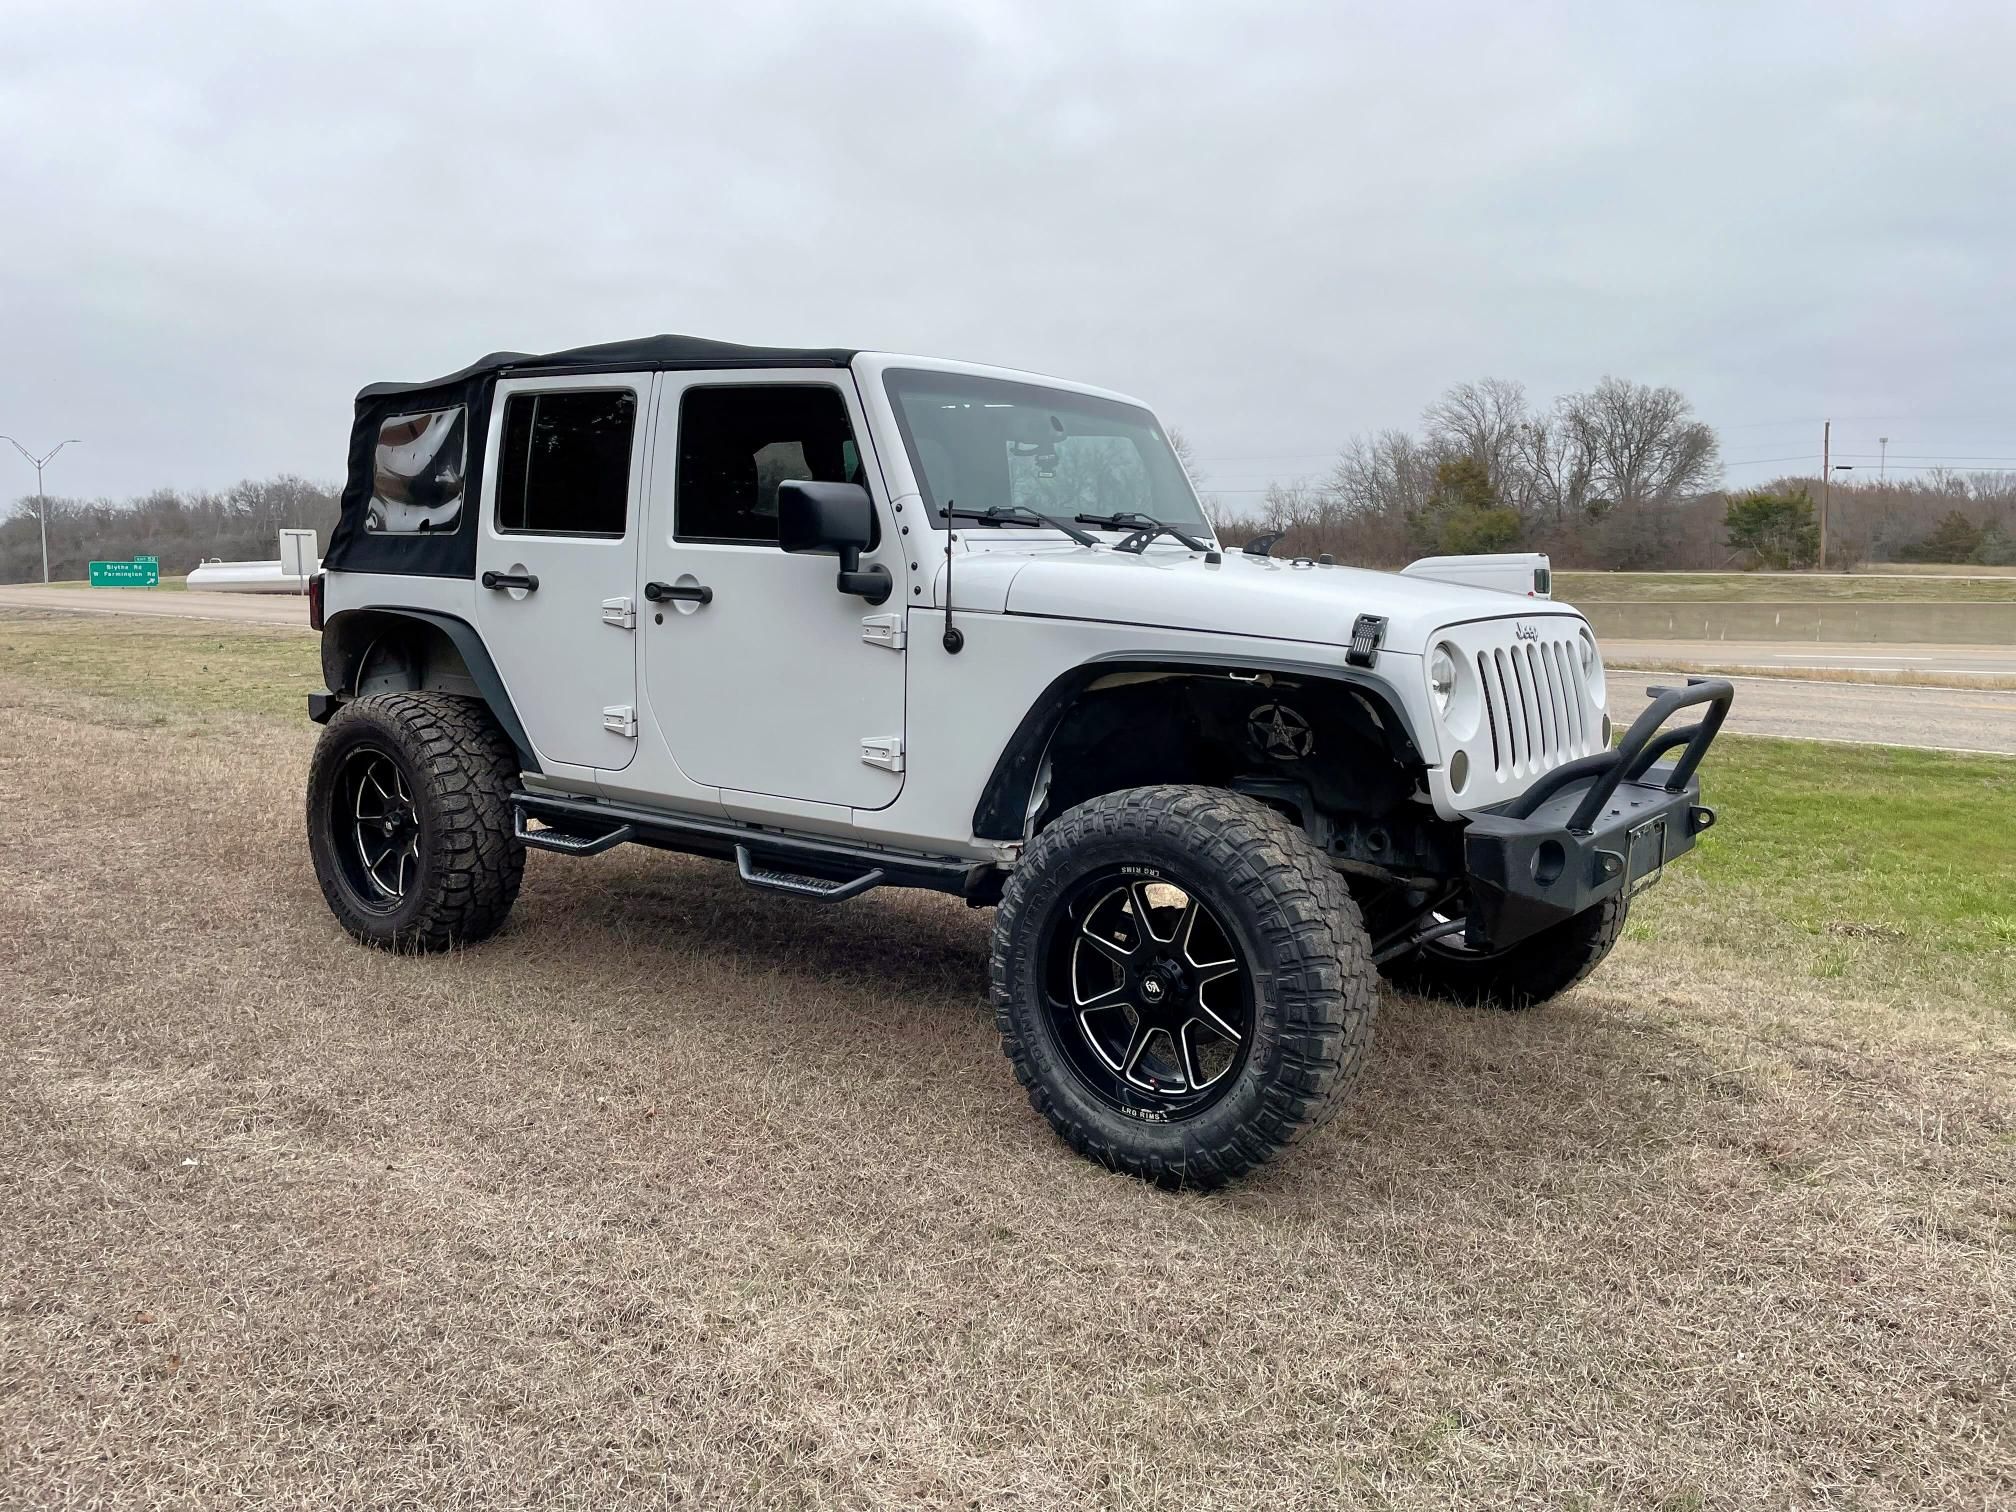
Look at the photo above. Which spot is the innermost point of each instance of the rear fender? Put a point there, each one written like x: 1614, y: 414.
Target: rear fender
x: 373, y: 649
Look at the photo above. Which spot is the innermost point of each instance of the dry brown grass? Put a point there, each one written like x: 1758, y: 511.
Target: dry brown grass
x: 679, y: 1192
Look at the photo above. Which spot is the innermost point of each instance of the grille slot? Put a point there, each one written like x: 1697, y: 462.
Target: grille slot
x: 1494, y: 714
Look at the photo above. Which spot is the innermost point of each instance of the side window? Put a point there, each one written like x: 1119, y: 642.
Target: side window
x: 563, y: 465
x: 417, y: 473
x: 737, y: 444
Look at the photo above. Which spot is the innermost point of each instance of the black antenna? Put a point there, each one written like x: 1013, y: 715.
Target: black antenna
x: 952, y: 639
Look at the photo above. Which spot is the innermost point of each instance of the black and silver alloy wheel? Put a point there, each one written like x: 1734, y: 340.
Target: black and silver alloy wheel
x: 383, y: 856
x: 1148, y: 995
x: 1181, y: 981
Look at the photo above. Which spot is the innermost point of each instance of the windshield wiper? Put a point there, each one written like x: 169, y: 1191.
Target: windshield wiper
x: 1016, y: 514
x: 1145, y: 527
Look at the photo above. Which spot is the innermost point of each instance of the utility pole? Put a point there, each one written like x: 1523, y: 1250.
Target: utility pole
x: 41, y: 498
x: 1883, y: 460
x: 1826, y: 478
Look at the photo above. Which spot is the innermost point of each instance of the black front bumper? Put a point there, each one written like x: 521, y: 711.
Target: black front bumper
x: 1594, y: 827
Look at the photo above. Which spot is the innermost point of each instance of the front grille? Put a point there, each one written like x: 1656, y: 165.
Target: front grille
x: 1534, y: 704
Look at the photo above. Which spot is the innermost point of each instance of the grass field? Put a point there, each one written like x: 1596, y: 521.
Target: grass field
x: 678, y: 1190
x: 1777, y: 587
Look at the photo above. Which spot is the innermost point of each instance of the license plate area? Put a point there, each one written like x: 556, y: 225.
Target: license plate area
x: 1646, y: 853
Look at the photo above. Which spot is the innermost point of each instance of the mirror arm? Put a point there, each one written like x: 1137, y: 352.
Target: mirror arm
x: 874, y: 585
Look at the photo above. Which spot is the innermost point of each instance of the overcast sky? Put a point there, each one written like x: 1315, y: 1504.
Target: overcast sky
x: 1280, y: 225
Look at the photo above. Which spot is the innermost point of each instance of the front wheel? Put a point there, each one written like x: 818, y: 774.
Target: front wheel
x: 1181, y: 981
x: 409, y: 820
x: 1524, y: 976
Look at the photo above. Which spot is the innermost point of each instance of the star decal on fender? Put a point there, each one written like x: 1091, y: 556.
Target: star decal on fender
x: 1281, y: 732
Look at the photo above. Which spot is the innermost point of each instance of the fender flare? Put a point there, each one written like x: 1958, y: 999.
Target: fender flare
x: 1004, y: 800
x: 468, y: 644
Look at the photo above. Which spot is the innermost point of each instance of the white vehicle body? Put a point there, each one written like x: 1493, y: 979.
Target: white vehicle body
x: 782, y: 702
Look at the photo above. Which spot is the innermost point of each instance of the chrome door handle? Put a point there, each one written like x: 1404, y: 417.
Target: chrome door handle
x: 524, y: 580
x: 658, y: 593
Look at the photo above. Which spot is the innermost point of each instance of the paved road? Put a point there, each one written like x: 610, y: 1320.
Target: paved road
x: 239, y: 608
x: 1937, y: 717
x: 1930, y: 660
x: 1934, y: 718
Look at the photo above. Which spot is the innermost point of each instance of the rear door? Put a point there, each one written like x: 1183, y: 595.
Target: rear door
x: 556, y: 562
x: 778, y: 684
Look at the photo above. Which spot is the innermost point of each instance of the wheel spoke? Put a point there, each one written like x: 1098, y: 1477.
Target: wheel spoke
x: 1138, y: 895
x: 1118, y: 954
x: 1189, y: 940
x: 1212, y: 1020
x: 1137, y: 1045
x: 1079, y: 997
x: 1199, y: 1081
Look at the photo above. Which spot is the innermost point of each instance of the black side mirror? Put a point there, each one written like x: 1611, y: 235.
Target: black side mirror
x: 836, y: 519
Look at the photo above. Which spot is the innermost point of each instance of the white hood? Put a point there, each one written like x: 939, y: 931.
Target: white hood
x: 1241, y: 595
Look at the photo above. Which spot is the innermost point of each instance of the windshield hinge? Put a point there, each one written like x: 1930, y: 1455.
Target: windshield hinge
x: 884, y: 630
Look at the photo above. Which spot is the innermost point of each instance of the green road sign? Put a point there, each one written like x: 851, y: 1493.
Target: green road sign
x: 142, y: 574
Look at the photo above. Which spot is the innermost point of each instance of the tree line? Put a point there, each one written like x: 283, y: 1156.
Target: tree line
x: 238, y: 524
x: 1623, y: 475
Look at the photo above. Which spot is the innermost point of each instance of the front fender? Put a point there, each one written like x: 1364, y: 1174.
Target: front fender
x: 1003, y: 804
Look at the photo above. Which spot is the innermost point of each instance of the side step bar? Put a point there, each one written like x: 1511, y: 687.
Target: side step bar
x: 818, y: 889
x: 566, y: 844
x: 814, y: 867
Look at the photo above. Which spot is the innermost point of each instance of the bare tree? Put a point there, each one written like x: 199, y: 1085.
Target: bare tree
x: 1642, y: 444
x: 1486, y: 421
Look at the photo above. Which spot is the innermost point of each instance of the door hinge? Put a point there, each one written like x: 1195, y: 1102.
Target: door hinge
x: 884, y: 751
x: 620, y: 719
x: 884, y: 630
x: 620, y: 612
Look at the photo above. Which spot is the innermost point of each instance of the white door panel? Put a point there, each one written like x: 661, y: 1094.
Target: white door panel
x: 768, y: 687
x: 563, y: 649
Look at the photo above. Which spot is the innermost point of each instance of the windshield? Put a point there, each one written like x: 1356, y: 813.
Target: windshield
x: 982, y: 443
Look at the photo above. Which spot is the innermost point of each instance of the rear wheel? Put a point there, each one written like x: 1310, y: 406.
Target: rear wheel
x: 409, y: 820
x: 1181, y: 982
x: 1528, y: 974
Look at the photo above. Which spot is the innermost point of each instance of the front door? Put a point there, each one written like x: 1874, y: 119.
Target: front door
x: 556, y: 563
x: 777, y: 684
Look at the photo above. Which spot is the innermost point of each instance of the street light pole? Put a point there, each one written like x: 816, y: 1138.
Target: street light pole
x: 41, y: 498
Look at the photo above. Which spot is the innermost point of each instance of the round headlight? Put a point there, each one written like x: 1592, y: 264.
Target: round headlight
x: 1442, y: 678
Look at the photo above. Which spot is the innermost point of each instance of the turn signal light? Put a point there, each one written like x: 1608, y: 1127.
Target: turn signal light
x: 315, y: 602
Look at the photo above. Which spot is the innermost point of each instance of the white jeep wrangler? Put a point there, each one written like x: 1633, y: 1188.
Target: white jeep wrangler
x: 857, y: 620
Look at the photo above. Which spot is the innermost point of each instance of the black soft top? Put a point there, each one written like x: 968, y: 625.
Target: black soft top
x: 641, y: 354
x: 459, y: 407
